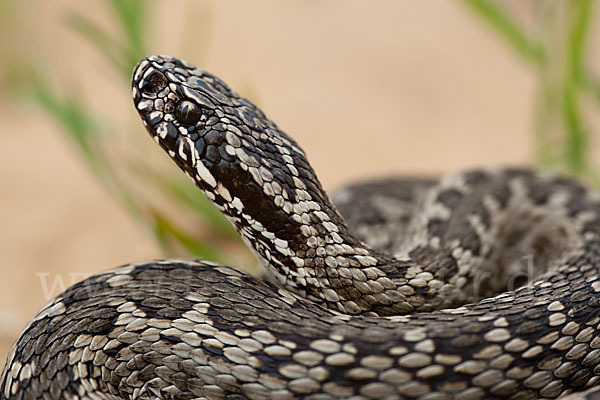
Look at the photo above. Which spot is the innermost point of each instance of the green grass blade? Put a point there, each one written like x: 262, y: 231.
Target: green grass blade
x: 185, y: 193
x: 131, y: 15
x: 188, y: 195
x: 95, y: 35
x: 166, y: 232
x: 591, y: 84
x: 529, y: 48
x: 82, y: 128
x: 85, y: 131
x: 132, y: 18
x: 576, y: 140
x: 78, y: 123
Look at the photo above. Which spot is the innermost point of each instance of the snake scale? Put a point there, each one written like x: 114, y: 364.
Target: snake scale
x: 484, y: 284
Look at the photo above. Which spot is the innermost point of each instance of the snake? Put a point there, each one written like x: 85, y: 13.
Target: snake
x: 479, y: 285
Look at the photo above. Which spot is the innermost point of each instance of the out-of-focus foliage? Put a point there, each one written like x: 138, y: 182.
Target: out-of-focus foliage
x: 123, y: 176
x: 557, y: 50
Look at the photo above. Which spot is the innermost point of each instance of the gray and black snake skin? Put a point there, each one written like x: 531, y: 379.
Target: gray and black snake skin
x: 482, y: 285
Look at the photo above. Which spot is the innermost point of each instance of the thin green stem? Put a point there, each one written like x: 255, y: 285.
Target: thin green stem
x: 132, y: 17
x: 529, y: 48
x: 579, y: 12
x: 562, y: 138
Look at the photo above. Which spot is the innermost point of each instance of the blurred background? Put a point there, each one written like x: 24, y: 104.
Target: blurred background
x: 367, y: 89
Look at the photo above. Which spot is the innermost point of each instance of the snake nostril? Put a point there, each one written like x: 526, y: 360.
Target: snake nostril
x: 154, y: 83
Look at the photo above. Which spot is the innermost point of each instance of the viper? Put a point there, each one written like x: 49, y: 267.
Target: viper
x: 483, y: 284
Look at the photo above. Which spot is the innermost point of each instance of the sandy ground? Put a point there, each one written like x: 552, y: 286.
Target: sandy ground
x: 367, y: 88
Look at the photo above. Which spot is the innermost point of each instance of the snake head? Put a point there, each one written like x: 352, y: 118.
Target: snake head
x: 221, y: 140
x: 226, y: 144
x: 185, y: 111
x: 251, y: 170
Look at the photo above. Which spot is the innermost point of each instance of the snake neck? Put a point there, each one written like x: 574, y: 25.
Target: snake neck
x: 261, y: 180
x: 278, y: 206
x: 303, y: 241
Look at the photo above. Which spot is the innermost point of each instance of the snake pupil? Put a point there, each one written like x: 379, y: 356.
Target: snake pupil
x: 188, y: 113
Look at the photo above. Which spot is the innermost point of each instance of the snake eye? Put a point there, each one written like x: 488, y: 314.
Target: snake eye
x: 188, y: 113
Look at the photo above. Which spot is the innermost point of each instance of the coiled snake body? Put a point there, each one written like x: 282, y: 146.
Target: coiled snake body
x: 482, y: 285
